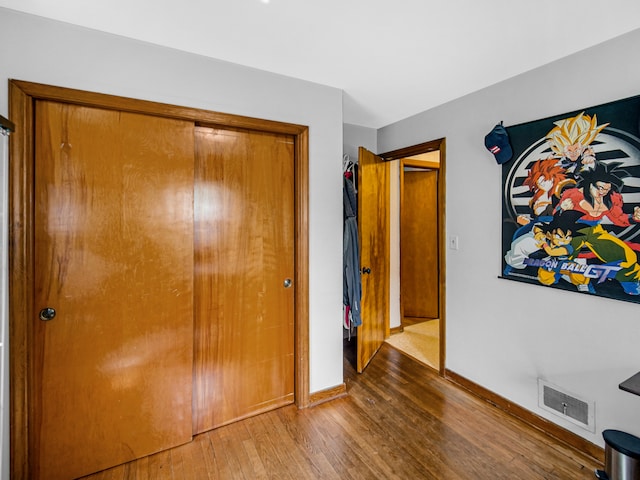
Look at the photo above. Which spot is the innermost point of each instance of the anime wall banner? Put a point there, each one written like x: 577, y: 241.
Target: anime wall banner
x: 571, y: 202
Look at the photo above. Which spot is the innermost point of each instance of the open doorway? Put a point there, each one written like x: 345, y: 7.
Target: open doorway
x: 418, y: 324
x: 430, y: 158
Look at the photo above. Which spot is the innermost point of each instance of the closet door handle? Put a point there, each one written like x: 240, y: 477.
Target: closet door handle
x: 287, y: 282
x: 47, y: 314
x: 366, y: 270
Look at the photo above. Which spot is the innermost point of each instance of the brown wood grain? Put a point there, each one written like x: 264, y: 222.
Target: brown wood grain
x: 114, y: 257
x: 544, y: 425
x: 113, y: 102
x: 20, y: 264
x: 244, y: 252
x: 419, y: 269
x: 23, y: 96
x: 374, y: 237
x: 400, y: 420
x: 328, y: 394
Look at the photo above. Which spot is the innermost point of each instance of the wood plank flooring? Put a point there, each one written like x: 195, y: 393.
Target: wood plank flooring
x: 400, y: 420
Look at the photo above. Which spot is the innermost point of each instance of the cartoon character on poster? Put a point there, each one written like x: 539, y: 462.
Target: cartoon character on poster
x: 571, y: 202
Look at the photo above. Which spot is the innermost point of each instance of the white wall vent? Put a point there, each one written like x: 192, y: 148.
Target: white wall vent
x: 566, y: 405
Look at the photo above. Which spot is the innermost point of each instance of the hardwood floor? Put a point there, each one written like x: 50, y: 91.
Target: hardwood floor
x: 400, y: 420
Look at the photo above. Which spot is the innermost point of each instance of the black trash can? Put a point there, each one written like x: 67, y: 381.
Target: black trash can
x: 621, y: 456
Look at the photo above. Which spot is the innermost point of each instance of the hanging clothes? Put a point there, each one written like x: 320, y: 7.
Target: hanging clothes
x: 352, y: 287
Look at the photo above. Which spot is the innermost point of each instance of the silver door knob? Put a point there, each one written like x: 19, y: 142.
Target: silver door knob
x: 287, y: 282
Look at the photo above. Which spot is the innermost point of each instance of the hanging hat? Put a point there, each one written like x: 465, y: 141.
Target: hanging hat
x: 497, y: 142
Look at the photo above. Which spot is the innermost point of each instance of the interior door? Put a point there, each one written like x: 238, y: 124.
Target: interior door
x: 113, y: 348
x: 419, y: 245
x: 374, y: 234
x: 244, y: 234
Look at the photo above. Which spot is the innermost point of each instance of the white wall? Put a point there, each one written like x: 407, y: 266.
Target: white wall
x: 49, y: 52
x: 395, y: 319
x: 503, y: 334
x: 355, y: 136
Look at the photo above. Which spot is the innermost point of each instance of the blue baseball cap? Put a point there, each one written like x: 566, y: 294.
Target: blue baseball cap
x: 497, y: 142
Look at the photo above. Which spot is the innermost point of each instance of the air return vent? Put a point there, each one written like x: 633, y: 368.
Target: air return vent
x: 566, y: 405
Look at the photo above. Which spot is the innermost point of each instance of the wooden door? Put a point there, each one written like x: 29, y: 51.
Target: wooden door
x: 244, y: 260
x: 419, y: 245
x: 373, y: 232
x: 111, y: 378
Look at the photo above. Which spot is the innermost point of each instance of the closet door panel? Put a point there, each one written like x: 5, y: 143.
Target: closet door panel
x: 244, y: 257
x: 419, y: 245
x: 112, y: 370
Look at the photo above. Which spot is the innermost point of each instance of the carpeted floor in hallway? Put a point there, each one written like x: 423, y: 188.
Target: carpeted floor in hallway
x: 420, y: 341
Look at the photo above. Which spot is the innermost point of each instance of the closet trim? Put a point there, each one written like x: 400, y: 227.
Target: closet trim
x: 22, y: 97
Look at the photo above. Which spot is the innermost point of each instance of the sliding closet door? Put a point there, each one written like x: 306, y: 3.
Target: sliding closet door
x: 111, y: 341
x: 244, y: 266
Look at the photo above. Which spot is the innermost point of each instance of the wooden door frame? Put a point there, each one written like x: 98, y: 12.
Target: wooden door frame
x: 22, y: 97
x: 403, y: 153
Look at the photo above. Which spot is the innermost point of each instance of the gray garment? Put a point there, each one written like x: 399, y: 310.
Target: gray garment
x: 352, y: 287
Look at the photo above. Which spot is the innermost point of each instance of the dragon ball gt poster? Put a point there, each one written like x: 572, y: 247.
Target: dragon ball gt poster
x: 571, y: 202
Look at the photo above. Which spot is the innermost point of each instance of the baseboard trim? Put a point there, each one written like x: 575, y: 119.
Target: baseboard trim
x: 539, y: 423
x: 398, y: 329
x: 327, y: 395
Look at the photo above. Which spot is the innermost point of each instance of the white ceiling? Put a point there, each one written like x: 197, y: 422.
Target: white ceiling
x: 392, y: 59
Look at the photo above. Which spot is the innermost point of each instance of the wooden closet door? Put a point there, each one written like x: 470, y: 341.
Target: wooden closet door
x: 374, y: 233
x: 244, y: 257
x: 420, y: 282
x: 112, y: 375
